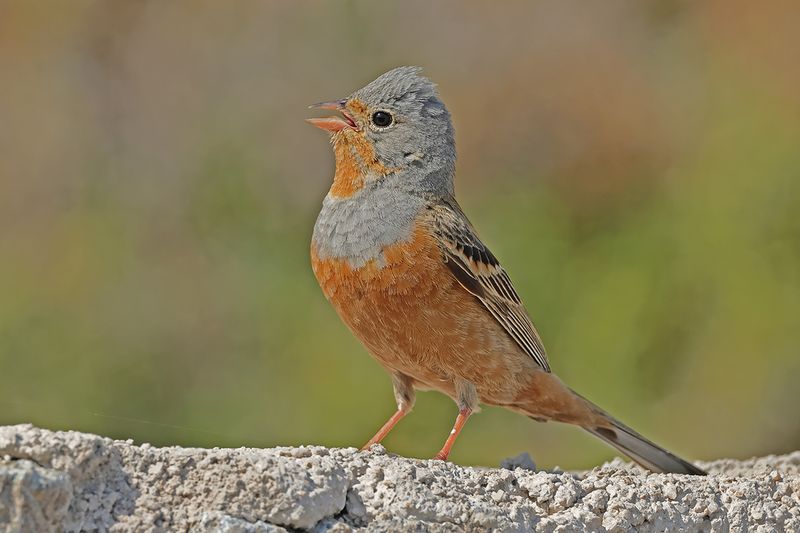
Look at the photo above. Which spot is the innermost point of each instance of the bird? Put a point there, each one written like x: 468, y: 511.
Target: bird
x: 407, y: 273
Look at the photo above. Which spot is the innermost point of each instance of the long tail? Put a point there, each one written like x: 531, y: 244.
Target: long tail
x: 643, y: 451
x: 547, y: 398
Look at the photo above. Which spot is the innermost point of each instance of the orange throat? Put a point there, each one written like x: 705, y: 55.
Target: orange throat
x: 356, y: 162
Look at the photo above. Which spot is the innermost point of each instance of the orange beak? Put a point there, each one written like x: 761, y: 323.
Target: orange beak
x: 333, y: 124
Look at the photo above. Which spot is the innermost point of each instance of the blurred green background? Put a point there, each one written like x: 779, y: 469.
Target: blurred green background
x: 635, y: 165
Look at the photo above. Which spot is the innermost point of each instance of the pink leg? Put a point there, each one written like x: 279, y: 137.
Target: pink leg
x: 461, y: 419
x: 404, y: 395
x: 387, y: 427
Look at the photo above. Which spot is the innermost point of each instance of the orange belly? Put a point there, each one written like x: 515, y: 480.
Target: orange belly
x: 414, y: 318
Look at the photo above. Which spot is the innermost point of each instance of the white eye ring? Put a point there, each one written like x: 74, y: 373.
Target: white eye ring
x: 381, y: 119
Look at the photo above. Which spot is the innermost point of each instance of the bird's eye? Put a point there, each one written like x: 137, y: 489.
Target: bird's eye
x: 381, y: 119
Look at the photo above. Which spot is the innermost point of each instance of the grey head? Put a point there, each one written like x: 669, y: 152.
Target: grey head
x: 401, y: 116
x: 419, y: 135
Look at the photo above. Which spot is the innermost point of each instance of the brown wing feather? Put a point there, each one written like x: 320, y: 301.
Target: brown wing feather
x: 479, y: 272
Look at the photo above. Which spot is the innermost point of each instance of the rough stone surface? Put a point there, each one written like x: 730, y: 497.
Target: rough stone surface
x: 68, y: 481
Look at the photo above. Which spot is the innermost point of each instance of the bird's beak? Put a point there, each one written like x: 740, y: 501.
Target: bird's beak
x: 332, y: 124
x: 338, y: 104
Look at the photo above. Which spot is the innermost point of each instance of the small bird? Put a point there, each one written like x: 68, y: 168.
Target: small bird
x: 407, y: 273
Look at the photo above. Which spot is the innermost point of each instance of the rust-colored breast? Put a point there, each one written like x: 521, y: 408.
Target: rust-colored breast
x: 414, y: 317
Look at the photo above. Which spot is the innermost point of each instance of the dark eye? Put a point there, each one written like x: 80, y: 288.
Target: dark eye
x: 381, y: 119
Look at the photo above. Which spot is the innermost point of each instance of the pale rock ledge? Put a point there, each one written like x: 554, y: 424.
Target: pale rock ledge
x: 69, y: 481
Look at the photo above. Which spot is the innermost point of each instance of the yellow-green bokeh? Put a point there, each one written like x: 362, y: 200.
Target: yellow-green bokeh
x: 635, y: 165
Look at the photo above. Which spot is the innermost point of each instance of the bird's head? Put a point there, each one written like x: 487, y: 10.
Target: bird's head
x: 394, y: 128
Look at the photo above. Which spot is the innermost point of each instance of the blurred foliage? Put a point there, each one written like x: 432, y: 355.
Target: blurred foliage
x: 635, y: 165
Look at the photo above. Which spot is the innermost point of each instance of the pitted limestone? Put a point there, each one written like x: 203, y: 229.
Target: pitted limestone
x: 73, y: 481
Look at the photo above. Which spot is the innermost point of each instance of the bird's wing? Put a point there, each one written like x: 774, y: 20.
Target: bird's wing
x: 479, y: 272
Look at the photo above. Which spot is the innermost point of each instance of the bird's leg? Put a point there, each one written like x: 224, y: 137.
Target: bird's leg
x: 467, y: 399
x: 405, y: 396
x: 461, y: 419
x: 387, y: 427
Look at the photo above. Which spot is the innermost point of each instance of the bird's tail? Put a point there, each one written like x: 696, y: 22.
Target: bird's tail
x: 643, y: 451
x: 547, y: 398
